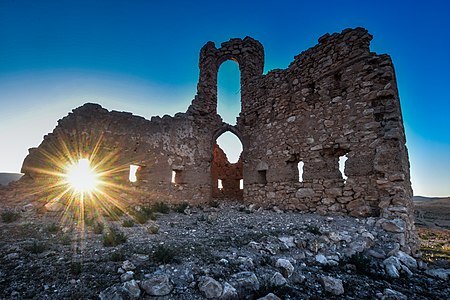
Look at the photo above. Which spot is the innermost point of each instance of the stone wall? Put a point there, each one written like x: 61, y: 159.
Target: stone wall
x: 335, y: 100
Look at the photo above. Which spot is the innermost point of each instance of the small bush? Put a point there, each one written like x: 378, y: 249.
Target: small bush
x: 36, y: 247
x: 214, y: 203
x: 113, y: 238
x: 140, y: 217
x: 76, y: 268
x: 98, y: 227
x: 313, y: 229
x: 128, y: 223
x: 10, y: 215
x: 153, y: 229
x: 117, y: 256
x: 180, y: 208
x: 161, y: 207
x: 164, y: 255
x: 361, y: 262
x: 53, y: 228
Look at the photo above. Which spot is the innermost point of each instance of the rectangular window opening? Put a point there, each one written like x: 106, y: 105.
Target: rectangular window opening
x: 262, y: 176
x: 241, y: 184
x: 342, y: 161
x: 133, y: 171
x: 300, y: 171
x: 219, y: 184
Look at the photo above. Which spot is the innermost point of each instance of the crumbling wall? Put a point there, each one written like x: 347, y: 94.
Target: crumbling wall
x: 336, y: 99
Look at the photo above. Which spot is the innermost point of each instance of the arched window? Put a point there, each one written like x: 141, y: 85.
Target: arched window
x: 229, y: 92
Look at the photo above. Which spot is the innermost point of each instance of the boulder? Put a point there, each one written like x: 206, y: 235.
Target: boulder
x: 132, y: 289
x: 406, y: 259
x: 443, y: 274
x: 277, y: 279
x: 210, y: 287
x: 332, y: 285
x: 229, y: 292
x: 285, y: 267
x: 157, y: 284
x: 245, y: 282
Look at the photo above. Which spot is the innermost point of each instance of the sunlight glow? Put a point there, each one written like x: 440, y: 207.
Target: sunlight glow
x: 81, y: 177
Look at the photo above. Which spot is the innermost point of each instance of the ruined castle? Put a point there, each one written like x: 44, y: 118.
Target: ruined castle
x: 335, y: 100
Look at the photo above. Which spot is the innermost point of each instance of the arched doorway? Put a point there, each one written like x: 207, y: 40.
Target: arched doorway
x: 226, y: 167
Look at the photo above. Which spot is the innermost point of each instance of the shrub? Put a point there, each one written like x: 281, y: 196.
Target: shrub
x: 53, y: 228
x: 153, y: 229
x: 76, y: 268
x: 10, y: 215
x: 140, y: 217
x: 98, y: 227
x: 164, y: 255
x: 117, y: 256
x: 361, y: 262
x: 214, y: 203
x: 180, y: 208
x: 36, y: 247
x: 161, y: 207
x: 128, y: 223
x: 313, y: 229
x: 113, y: 238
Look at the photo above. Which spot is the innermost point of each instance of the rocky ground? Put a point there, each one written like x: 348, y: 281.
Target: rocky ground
x: 225, y: 251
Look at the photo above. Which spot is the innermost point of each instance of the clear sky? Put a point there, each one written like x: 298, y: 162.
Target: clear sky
x: 142, y: 56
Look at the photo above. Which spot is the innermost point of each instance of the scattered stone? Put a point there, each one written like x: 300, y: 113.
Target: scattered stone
x: 392, y: 266
x: 127, y: 276
x: 229, y: 292
x: 332, y: 285
x: 132, y: 289
x: 54, y: 207
x: 157, y: 284
x: 210, y: 287
x: 407, y: 260
x: 128, y: 266
x: 269, y: 296
x: 285, y: 267
x: 114, y: 292
x: 389, y: 294
x: 245, y: 282
x: 443, y: 274
x: 277, y: 279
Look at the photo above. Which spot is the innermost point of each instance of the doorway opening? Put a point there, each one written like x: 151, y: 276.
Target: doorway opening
x: 226, y: 167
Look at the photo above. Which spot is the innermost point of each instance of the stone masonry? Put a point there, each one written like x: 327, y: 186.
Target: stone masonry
x: 336, y: 99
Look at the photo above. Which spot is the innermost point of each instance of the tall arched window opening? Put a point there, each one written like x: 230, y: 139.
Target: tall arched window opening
x: 229, y: 92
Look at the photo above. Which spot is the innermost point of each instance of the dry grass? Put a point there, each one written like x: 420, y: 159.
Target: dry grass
x: 435, y: 245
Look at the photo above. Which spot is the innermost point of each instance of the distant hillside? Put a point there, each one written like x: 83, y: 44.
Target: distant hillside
x: 430, y: 199
x: 6, y: 178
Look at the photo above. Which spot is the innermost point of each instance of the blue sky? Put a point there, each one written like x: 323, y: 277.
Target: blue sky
x: 142, y: 56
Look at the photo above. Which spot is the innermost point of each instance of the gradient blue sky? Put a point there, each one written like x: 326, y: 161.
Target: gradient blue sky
x: 142, y: 56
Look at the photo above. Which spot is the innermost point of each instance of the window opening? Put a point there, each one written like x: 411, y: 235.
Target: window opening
x: 342, y: 161
x: 219, y: 184
x: 241, y: 184
x: 174, y: 176
x: 229, y: 92
x: 231, y: 146
x: 300, y: 171
x: 133, y: 170
x: 262, y: 176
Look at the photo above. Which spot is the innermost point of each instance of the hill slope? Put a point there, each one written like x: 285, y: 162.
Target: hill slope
x: 6, y: 178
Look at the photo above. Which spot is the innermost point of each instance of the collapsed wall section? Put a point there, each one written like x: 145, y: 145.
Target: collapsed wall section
x: 113, y: 141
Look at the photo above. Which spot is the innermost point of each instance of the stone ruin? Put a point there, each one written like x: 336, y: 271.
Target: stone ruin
x: 335, y: 100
